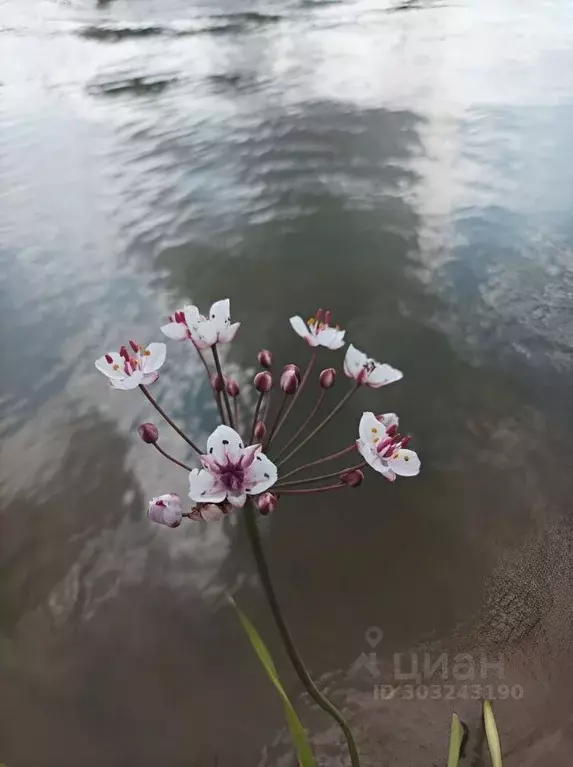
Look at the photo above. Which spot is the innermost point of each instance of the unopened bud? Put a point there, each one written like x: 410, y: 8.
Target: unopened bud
x: 263, y: 382
x: 259, y: 431
x: 289, y: 381
x: 232, y: 388
x: 327, y: 378
x: 217, y: 383
x: 148, y: 433
x: 294, y: 368
x: 352, y: 478
x: 266, y: 502
x: 265, y: 358
x: 166, y: 509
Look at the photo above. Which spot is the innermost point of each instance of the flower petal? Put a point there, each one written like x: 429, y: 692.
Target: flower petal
x: 331, y: 338
x: 238, y: 500
x: 249, y: 455
x: 129, y: 382
x: 177, y: 331
x: 154, y: 359
x: 220, y: 315
x: 387, y: 420
x: 261, y: 475
x: 227, y: 335
x: 354, y: 362
x: 300, y: 328
x: 205, y: 488
x: 113, y: 369
x: 370, y: 430
x: 192, y: 315
x: 225, y: 443
x: 149, y: 378
x: 405, y: 463
x: 382, y: 375
x: 370, y: 456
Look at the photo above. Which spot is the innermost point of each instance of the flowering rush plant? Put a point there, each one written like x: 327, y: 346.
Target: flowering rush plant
x: 241, y: 468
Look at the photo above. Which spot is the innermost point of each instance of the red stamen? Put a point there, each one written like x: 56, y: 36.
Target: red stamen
x: 405, y: 441
x: 159, y: 502
x: 391, y: 430
x: 124, y: 353
x: 318, y: 316
x: 109, y: 359
x: 327, y: 316
x: 389, y: 451
x: 134, y: 346
x: 383, y: 444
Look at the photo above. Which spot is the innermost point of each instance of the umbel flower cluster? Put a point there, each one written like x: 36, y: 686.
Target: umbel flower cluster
x: 240, y: 459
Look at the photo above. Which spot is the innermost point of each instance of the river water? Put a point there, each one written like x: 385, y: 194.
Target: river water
x: 406, y: 164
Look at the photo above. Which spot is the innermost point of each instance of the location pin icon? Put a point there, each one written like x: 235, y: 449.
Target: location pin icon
x: 373, y: 636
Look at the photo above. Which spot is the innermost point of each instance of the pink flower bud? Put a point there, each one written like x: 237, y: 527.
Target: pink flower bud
x: 232, y: 388
x: 148, y: 433
x: 266, y: 502
x: 352, y: 478
x: 166, y: 510
x: 289, y: 381
x: 327, y: 378
x: 294, y: 368
x: 217, y: 383
x: 260, y: 431
x: 263, y: 382
x: 265, y: 358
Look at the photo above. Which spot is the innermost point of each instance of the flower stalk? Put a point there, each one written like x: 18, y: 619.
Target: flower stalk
x: 287, y: 640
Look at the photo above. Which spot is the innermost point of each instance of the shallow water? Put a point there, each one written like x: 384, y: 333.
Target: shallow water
x: 405, y: 164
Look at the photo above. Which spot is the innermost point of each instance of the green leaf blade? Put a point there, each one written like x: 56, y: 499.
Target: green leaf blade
x: 492, y: 734
x: 297, y: 731
x: 456, y: 739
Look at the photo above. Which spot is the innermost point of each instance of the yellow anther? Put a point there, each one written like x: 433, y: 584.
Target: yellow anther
x: 311, y: 321
x: 147, y: 353
x: 406, y: 457
x: 376, y: 439
x: 115, y: 367
x: 374, y: 430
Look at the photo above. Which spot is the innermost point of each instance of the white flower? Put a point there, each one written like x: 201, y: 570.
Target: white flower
x: 230, y: 471
x: 318, y: 333
x: 367, y: 371
x: 127, y: 370
x: 166, y: 509
x: 203, y: 331
x: 381, y: 448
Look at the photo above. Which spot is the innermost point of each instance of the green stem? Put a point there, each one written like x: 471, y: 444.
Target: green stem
x: 224, y: 390
x: 292, y: 652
